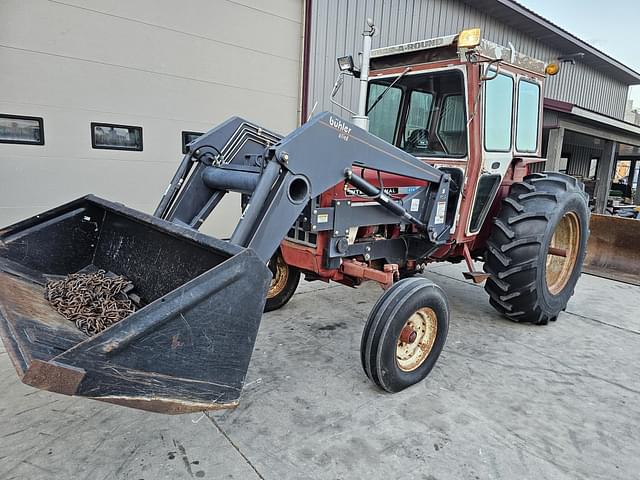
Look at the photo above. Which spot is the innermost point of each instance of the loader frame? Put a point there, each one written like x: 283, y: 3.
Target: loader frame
x: 290, y: 177
x: 325, y: 233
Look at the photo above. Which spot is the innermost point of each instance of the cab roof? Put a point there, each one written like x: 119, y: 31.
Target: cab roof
x: 446, y: 48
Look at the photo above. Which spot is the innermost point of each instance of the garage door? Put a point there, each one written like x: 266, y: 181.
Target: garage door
x: 145, y: 71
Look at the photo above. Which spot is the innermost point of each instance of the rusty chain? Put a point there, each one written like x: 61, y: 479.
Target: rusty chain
x: 94, y: 301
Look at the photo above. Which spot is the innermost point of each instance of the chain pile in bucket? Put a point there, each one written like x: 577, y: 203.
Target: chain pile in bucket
x: 94, y: 301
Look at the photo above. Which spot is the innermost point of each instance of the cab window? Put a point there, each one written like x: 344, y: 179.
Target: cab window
x: 498, y: 113
x: 528, y: 116
x: 418, y: 116
x: 431, y: 119
x: 452, y: 126
x: 384, y: 116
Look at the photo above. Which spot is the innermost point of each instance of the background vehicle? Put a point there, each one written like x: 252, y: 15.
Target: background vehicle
x: 434, y: 167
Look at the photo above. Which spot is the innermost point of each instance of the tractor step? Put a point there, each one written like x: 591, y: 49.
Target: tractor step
x: 477, y: 277
x: 187, y: 349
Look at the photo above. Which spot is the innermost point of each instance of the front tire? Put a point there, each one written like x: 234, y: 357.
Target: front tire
x: 537, y: 246
x: 283, y: 285
x: 404, y: 334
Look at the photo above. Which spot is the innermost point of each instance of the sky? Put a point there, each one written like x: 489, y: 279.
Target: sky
x: 610, y: 26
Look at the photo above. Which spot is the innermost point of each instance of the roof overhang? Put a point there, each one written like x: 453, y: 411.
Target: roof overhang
x: 529, y: 23
x: 578, y: 119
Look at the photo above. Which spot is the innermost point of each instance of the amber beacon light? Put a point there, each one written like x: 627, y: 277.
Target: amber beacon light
x: 552, y: 69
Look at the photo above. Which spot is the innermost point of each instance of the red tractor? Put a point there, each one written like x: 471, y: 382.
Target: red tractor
x: 434, y: 167
x: 471, y: 109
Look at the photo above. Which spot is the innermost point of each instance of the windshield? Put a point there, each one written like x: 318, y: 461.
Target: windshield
x: 423, y: 114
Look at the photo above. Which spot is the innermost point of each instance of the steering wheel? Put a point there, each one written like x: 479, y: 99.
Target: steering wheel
x: 418, y: 139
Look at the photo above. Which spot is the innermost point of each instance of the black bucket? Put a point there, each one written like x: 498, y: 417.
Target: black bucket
x: 187, y: 349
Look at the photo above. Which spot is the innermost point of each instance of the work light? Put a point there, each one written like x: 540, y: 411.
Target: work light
x: 469, y: 38
x: 345, y: 64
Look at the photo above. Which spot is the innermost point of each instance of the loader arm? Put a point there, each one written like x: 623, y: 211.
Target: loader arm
x: 234, y: 143
x: 286, y: 175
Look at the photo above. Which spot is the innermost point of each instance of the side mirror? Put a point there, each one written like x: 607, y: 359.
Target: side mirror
x: 490, y: 69
x: 337, y: 85
x: 336, y: 89
x: 571, y: 58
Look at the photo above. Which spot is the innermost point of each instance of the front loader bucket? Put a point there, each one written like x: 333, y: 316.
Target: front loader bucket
x: 613, y: 250
x: 187, y: 349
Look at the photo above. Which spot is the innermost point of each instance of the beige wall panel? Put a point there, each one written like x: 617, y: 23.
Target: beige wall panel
x: 37, y: 79
x: 261, y: 25
x: 79, y: 34
x: 131, y: 63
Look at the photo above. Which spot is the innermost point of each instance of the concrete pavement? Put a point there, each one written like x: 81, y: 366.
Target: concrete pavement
x: 505, y: 401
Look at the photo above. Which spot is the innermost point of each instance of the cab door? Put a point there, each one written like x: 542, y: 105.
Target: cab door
x: 497, y: 142
x: 511, y: 127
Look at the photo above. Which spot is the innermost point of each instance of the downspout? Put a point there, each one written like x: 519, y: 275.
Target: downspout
x: 306, y: 61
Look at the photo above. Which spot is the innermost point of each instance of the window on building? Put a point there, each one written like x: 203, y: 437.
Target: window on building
x: 563, y: 167
x: 383, y: 118
x: 19, y: 129
x: 116, y: 137
x: 593, y: 168
x: 498, y: 107
x: 187, y: 138
x: 528, y: 116
x: 622, y: 171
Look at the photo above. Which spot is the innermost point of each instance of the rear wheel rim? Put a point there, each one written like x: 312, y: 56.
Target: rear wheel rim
x: 416, y: 339
x: 562, y: 253
x: 280, y: 272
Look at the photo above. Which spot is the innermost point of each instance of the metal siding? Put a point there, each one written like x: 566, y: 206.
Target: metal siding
x: 401, y: 21
x: 341, y: 37
x: 580, y: 158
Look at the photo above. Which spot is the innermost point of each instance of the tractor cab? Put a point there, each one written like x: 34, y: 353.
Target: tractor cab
x: 462, y: 104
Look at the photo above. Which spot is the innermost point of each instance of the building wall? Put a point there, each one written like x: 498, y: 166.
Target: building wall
x: 165, y: 66
x: 337, y: 26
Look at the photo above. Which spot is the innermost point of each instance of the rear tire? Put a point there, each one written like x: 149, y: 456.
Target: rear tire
x: 536, y: 247
x: 284, y: 283
x: 404, y: 334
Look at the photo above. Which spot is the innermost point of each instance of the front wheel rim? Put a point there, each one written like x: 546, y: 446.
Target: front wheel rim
x: 416, y: 339
x: 562, y: 253
x: 280, y: 272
